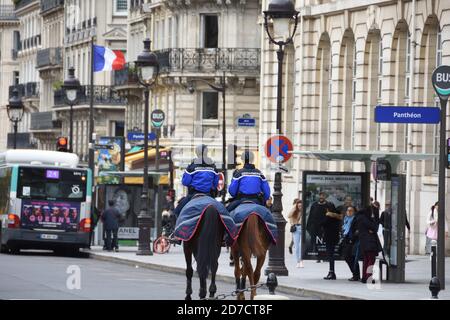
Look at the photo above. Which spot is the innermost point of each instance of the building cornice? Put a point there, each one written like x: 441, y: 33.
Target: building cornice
x: 334, y: 8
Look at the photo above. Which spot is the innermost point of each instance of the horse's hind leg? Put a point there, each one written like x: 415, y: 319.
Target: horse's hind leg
x: 249, y: 272
x: 237, y: 270
x: 259, y: 263
x: 189, y: 271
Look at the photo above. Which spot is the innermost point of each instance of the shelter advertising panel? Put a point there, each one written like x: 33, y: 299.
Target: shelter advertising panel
x: 338, y: 188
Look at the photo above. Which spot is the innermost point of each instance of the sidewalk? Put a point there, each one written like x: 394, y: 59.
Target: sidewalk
x: 307, y: 282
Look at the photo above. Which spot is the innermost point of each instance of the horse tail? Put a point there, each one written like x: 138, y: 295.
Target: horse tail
x: 256, y: 235
x: 208, y: 242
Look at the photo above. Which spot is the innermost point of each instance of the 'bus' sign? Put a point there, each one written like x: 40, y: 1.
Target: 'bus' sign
x: 441, y: 81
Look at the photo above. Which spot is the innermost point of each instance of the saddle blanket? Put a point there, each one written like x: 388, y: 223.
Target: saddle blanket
x: 192, y: 214
x: 244, y: 210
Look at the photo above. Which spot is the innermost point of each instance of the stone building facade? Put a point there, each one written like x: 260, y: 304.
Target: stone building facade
x: 348, y: 57
x: 9, y: 66
x: 198, y: 42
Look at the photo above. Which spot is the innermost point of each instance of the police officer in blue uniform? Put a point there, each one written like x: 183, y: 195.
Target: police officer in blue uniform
x: 248, y: 183
x: 201, y: 176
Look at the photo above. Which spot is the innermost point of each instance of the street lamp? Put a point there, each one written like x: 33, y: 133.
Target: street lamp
x: 282, y: 14
x: 15, y: 109
x: 222, y: 89
x: 71, y: 88
x: 147, y: 68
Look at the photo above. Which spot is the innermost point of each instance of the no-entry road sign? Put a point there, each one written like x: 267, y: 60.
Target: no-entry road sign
x: 278, y: 149
x: 221, y: 183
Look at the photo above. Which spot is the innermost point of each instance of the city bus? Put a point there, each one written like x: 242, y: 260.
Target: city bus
x: 45, y: 201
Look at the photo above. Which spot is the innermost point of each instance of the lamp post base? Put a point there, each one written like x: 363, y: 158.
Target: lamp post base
x: 144, y: 224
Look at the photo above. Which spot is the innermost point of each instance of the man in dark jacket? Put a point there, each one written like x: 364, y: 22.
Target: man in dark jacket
x: 110, y: 218
x: 331, y: 226
x: 248, y: 183
x: 316, y: 218
x: 201, y: 176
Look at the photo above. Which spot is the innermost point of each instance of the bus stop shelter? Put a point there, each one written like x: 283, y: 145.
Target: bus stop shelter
x: 394, y: 192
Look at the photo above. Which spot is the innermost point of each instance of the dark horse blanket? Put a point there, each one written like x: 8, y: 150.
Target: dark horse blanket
x: 192, y: 213
x: 244, y: 210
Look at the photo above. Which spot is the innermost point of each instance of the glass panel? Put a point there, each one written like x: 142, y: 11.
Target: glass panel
x: 52, y: 184
x: 210, y: 106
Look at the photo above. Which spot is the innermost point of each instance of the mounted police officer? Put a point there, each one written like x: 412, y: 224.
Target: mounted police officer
x: 248, y: 183
x: 201, y: 176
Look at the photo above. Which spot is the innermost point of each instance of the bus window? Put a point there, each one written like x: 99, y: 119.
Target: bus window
x: 46, y: 184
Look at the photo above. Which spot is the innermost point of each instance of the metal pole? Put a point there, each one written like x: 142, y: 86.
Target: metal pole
x: 441, y: 198
x: 71, y: 129
x: 159, y: 191
x: 276, y: 253
x: 224, y: 142
x: 91, y: 130
x: 15, y: 134
x: 144, y: 218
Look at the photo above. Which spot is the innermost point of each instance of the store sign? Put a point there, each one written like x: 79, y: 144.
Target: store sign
x: 128, y: 233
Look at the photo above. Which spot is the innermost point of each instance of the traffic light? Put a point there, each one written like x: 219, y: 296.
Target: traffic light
x: 232, y: 156
x: 62, y: 144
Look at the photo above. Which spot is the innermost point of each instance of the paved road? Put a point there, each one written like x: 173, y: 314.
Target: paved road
x: 43, y: 275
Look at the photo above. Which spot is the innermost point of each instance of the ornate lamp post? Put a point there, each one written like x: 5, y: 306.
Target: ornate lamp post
x: 220, y: 88
x: 147, y: 68
x: 282, y: 14
x: 15, y: 109
x: 71, y: 88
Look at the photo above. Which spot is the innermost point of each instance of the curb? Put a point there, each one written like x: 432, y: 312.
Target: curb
x: 299, y: 292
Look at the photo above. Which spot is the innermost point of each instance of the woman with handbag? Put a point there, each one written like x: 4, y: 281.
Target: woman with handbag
x: 432, y: 222
x: 349, y: 243
x: 295, y: 219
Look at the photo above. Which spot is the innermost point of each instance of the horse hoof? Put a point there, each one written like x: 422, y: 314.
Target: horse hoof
x: 211, y: 295
x: 188, y: 298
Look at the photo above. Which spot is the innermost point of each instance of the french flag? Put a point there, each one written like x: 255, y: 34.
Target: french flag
x: 107, y: 60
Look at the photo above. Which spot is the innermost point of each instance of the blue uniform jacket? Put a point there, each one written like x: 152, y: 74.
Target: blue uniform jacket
x: 249, y: 181
x: 202, y: 177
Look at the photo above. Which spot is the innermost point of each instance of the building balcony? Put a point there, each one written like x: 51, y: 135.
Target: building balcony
x: 242, y: 60
x: 49, y: 58
x: 28, y: 90
x: 23, y: 3
x: 51, y: 5
x: 7, y: 13
x: 126, y: 76
x: 103, y: 95
x: 43, y: 121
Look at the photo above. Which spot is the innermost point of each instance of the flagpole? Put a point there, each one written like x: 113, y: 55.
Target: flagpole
x: 91, y: 129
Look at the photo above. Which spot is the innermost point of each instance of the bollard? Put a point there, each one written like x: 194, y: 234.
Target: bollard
x: 272, y: 283
x: 435, y: 285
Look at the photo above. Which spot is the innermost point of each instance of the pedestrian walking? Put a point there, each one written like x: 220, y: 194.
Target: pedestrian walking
x: 349, y: 243
x: 331, y: 227
x: 367, y: 225
x: 296, y: 219
x: 110, y: 218
x: 432, y: 223
x: 291, y: 245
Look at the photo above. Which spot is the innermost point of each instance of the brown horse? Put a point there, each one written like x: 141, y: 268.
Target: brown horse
x: 252, y: 240
x: 205, y: 245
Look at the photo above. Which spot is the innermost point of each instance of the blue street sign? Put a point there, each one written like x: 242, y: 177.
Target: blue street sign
x: 394, y: 114
x: 246, y: 122
x: 138, y: 136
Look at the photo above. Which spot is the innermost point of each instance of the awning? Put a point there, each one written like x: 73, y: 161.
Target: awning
x: 135, y: 160
x: 367, y: 157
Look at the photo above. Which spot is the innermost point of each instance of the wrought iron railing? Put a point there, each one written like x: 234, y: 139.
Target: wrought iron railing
x: 103, y: 95
x: 49, y: 57
x: 125, y: 76
x: 7, y: 12
x: 22, y: 3
x: 210, y: 59
x: 27, y: 90
x: 47, y: 5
